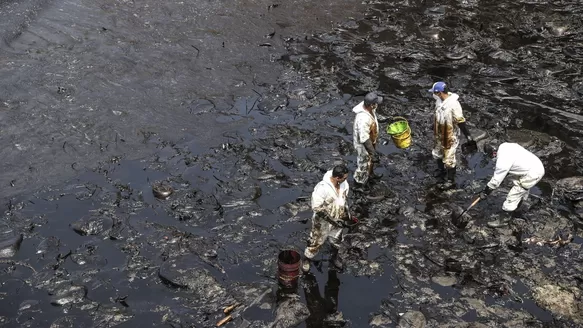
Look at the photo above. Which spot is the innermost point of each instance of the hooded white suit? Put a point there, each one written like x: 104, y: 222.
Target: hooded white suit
x: 327, y: 203
x: 366, y: 126
x: 448, y: 113
x: 513, y: 159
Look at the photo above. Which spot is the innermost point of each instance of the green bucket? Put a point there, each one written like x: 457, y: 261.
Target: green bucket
x: 397, y: 127
x: 400, y: 132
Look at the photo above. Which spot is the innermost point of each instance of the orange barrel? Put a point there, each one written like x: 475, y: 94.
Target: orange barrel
x: 288, y: 268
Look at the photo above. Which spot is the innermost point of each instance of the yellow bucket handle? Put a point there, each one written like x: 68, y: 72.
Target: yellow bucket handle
x: 394, y: 120
x: 401, y: 117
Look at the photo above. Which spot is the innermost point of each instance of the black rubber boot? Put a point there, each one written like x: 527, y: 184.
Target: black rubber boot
x: 518, y: 211
x: 440, y: 172
x: 374, y: 176
x: 361, y: 188
x: 450, y: 179
x: 501, y: 221
x: 358, y: 187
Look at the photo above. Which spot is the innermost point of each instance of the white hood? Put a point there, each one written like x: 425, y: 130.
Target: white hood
x: 452, y: 97
x: 325, y: 198
x: 326, y: 179
x: 359, y: 108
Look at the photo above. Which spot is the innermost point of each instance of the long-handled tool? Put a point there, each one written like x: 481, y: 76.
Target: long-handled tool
x: 467, y: 209
x: 240, y: 311
x: 231, y: 308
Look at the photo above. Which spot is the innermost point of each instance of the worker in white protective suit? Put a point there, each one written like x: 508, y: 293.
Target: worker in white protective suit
x: 331, y: 215
x: 448, y: 121
x: 365, y: 135
x: 513, y: 159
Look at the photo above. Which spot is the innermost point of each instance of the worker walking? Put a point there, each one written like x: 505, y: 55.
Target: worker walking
x: 330, y: 215
x: 365, y: 135
x: 448, y: 122
x: 513, y: 159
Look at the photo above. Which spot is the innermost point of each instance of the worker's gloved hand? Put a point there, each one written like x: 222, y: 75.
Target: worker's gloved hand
x: 336, y: 223
x: 371, y: 151
x: 350, y: 222
x: 326, y: 217
x: 466, y: 131
x: 485, y: 192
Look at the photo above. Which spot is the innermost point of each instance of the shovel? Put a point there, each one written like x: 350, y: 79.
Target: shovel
x: 467, y: 209
x: 240, y: 311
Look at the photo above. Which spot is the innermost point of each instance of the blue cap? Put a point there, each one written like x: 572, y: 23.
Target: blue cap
x: 437, y: 87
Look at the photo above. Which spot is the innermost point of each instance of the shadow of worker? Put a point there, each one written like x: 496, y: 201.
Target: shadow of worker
x: 323, y: 310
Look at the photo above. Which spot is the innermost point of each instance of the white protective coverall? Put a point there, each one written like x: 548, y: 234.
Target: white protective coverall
x: 366, y: 126
x: 326, y: 201
x: 513, y: 159
x: 448, y: 113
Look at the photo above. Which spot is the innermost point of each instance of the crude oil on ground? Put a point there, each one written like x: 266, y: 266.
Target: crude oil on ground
x: 241, y: 107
